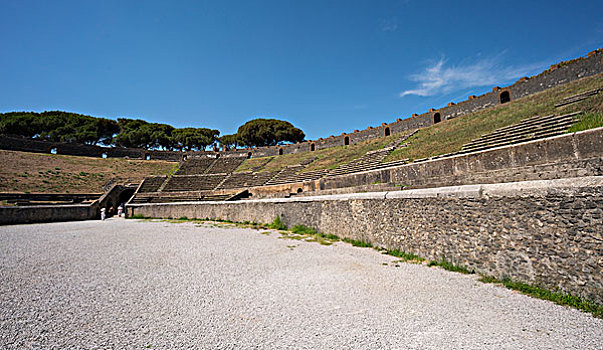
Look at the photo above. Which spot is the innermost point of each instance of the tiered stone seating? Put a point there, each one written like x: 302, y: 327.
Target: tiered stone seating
x: 195, y: 166
x: 286, y: 175
x: 151, y: 184
x: 370, y: 161
x: 578, y: 97
x: 225, y: 165
x: 178, y: 183
x: 527, y: 130
x: 246, y: 179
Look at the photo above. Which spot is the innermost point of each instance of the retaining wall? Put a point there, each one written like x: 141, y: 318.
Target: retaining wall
x: 547, y: 232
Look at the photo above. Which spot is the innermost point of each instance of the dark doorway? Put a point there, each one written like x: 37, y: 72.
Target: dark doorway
x: 299, y: 190
x: 249, y: 155
x: 386, y: 131
x: 505, y: 97
x: 437, y: 117
x: 280, y: 151
x: 346, y: 140
x: 125, y: 195
x: 312, y: 147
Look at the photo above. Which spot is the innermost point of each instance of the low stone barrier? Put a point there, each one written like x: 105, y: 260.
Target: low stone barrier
x: 47, y: 213
x: 547, y: 232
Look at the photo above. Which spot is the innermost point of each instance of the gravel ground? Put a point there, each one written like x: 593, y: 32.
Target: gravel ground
x: 128, y: 284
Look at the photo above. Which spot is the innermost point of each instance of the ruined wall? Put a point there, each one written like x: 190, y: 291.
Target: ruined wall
x: 540, y: 232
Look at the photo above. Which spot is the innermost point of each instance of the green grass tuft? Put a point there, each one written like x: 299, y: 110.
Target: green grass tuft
x: 587, y: 121
x: 356, y: 243
x: 303, y: 230
x: 277, y: 224
x: 447, y: 265
x: 406, y: 257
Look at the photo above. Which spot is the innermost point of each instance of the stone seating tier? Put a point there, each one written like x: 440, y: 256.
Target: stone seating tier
x: 193, y: 182
x: 151, y: 184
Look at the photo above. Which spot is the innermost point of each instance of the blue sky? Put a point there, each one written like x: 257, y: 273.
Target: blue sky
x: 326, y: 66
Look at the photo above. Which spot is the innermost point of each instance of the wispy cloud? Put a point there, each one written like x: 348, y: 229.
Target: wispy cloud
x: 442, y: 78
x: 388, y: 25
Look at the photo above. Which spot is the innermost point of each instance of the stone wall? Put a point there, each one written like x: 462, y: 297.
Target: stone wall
x: 48, y: 213
x: 546, y: 232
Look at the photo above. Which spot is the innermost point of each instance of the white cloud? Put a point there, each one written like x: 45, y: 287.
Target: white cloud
x: 440, y: 78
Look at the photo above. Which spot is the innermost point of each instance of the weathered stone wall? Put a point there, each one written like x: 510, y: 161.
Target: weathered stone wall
x: 48, y: 213
x: 547, y: 233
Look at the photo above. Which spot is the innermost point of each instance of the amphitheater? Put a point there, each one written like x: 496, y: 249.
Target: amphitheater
x: 504, y: 185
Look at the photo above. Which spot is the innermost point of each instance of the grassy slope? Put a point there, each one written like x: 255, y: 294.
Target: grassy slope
x: 450, y: 135
x: 328, y: 158
x: 49, y: 173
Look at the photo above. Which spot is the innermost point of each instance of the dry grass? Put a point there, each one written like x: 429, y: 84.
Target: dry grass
x: 50, y: 173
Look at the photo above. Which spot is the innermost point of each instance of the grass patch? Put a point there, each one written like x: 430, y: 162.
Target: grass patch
x: 356, y: 243
x: 277, y: 224
x: 557, y: 297
x: 448, y: 265
x: 303, y: 230
x: 404, y: 256
x: 587, y: 121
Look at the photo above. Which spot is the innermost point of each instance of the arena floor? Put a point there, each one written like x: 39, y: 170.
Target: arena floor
x: 130, y: 284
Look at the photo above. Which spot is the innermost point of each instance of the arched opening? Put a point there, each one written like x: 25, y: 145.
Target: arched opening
x: 249, y: 155
x: 346, y: 140
x: 125, y: 196
x: 104, y: 155
x: 184, y: 158
x: 299, y: 190
x: 280, y: 151
x: 312, y: 147
x: 147, y: 157
x: 217, y: 155
x: 505, y: 97
x: 437, y: 117
x: 53, y: 150
x: 386, y: 131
